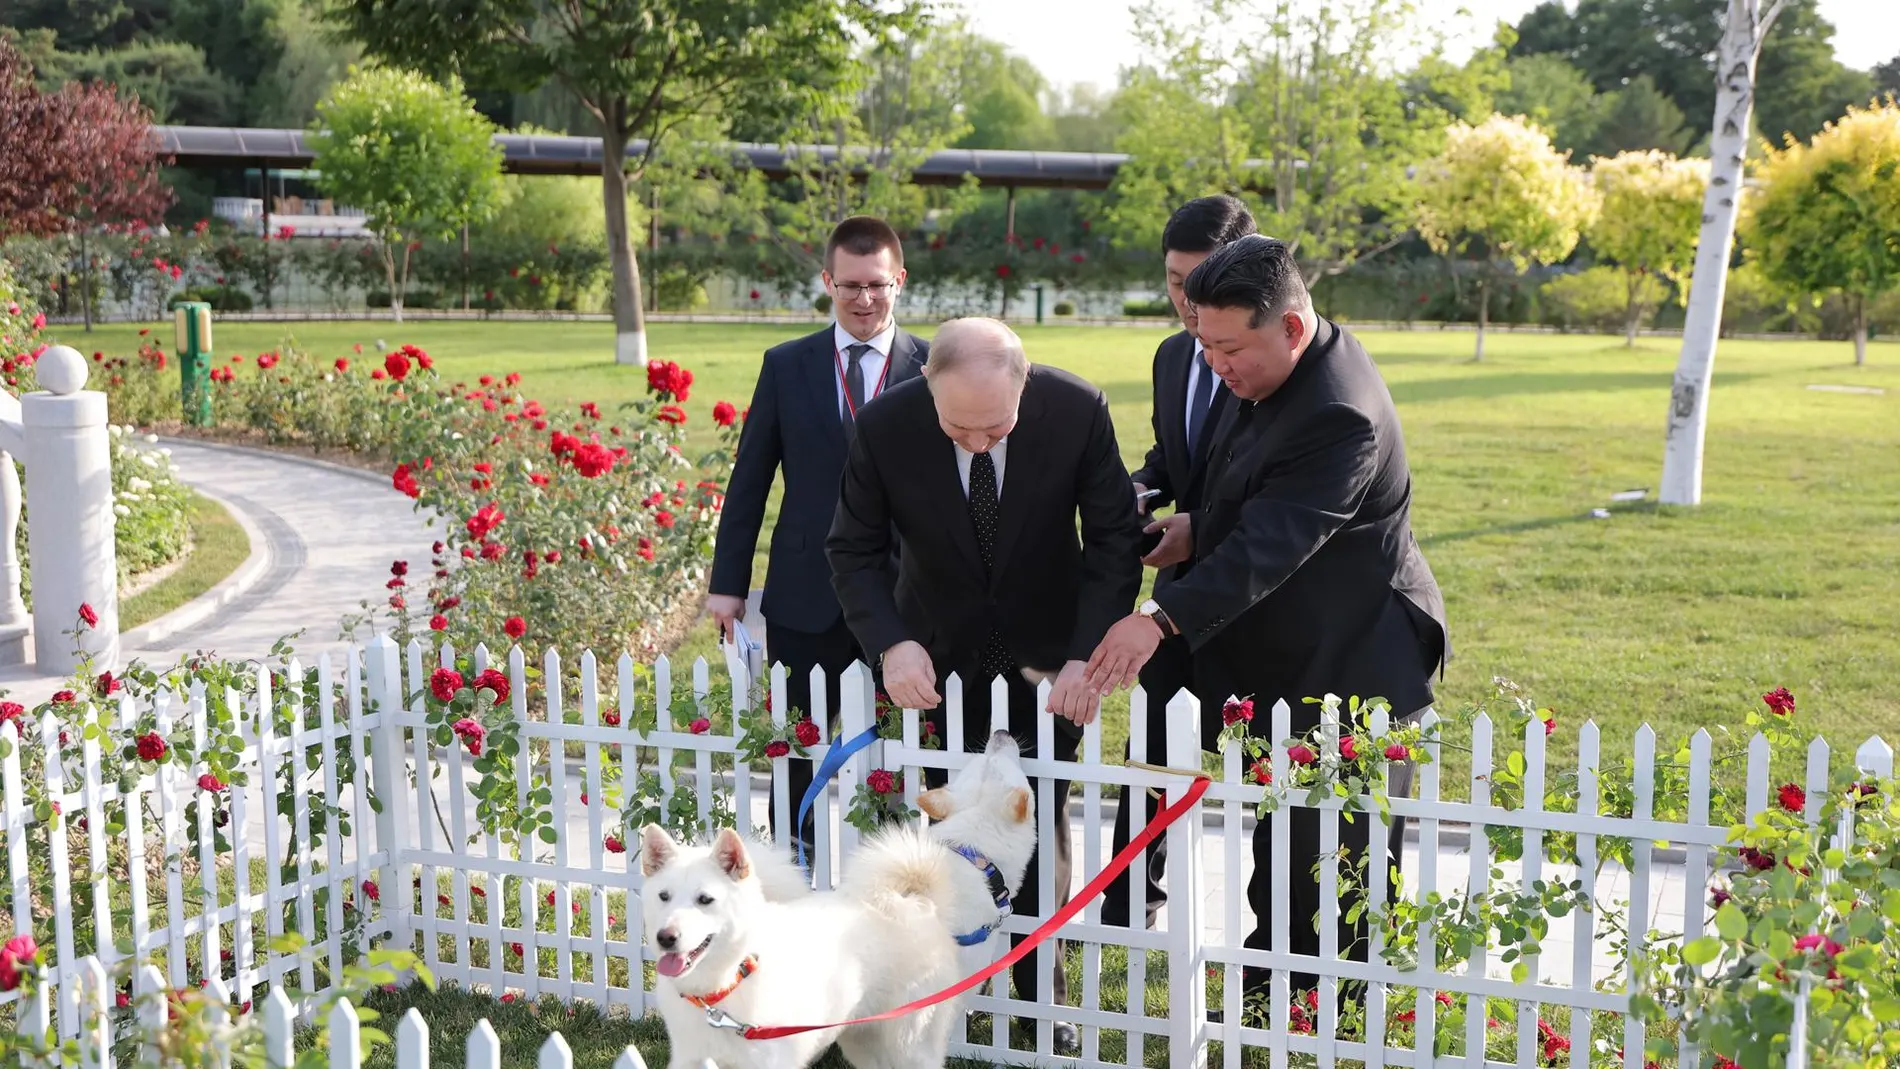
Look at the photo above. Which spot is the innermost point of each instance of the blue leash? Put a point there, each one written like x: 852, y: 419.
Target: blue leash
x: 834, y: 760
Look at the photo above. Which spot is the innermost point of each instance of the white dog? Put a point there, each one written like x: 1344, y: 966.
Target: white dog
x: 733, y: 950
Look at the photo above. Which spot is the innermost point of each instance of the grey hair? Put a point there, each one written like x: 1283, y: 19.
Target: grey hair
x: 977, y: 343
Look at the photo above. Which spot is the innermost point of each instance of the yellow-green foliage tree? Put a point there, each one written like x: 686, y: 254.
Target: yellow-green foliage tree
x: 1500, y: 193
x: 1828, y: 213
x: 1651, y: 213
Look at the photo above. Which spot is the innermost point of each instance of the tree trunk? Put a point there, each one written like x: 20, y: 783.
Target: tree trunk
x: 1860, y: 330
x: 630, y: 337
x: 1484, y: 314
x: 1728, y: 149
x: 389, y: 275
x: 1632, y: 312
x: 85, y: 278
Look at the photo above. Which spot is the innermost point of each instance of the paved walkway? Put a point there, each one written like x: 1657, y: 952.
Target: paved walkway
x: 322, y: 539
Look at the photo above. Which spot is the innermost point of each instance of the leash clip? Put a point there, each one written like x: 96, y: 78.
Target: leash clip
x: 720, y: 1019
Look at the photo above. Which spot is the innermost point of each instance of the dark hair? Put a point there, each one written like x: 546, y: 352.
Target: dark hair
x: 864, y: 235
x: 1252, y: 272
x: 1205, y: 224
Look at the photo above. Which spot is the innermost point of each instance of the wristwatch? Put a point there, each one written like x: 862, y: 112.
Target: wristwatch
x: 1153, y: 612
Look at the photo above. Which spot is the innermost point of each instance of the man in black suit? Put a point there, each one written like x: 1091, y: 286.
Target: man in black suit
x: 803, y: 417
x: 1307, y: 579
x: 1189, y: 400
x: 983, y: 468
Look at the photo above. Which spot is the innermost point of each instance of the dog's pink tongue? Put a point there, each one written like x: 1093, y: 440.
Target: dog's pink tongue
x: 671, y: 964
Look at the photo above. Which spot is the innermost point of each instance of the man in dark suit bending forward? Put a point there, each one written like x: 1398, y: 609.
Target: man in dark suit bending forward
x: 983, y: 468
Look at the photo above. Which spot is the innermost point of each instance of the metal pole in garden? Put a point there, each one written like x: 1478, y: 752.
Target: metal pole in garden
x: 193, y: 322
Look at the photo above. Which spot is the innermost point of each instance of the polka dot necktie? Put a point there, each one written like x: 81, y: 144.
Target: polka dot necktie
x: 995, y: 659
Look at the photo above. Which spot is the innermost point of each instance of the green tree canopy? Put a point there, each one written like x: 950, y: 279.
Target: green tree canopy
x: 1652, y: 212
x: 1499, y: 191
x: 1827, y: 215
x: 413, y: 154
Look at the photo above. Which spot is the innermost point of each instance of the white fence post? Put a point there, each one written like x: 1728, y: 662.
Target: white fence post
x: 389, y: 771
x: 1187, y: 952
x: 60, y: 434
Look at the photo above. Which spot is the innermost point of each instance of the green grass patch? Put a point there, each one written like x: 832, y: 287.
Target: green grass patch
x: 218, y: 548
x: 1788, y: 574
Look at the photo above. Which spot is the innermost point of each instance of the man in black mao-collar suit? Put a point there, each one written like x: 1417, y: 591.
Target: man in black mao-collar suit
x: 1307, y: 579
x: 802, y: 418
x: 983, y: 469
x: 1189, y: 400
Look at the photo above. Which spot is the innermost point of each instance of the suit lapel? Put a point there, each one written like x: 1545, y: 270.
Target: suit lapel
x: 821, y: 382
x: 1173, y: 399
x: 940, y: 462
x: 1210, y: 428
x: 904, y: 362
x: 1025, y: 453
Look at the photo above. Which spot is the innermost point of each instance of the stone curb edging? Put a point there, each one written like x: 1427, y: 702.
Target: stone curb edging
x: 240, y: 582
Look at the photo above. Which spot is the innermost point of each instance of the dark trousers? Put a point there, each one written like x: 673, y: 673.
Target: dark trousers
x: 1302, y: 883
x: 1023, y: 716
x: 1166, y: 674
x: 832, y: 649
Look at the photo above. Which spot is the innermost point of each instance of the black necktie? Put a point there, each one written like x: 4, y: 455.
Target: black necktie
x: 1203, y: 400
x: 995, y: 659
x: 854, y: 387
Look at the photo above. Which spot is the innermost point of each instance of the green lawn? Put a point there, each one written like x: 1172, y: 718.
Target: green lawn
x: 1788, y: 574
x: 218, y: 548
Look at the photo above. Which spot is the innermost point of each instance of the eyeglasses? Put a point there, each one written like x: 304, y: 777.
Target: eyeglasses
x: 851, y: 291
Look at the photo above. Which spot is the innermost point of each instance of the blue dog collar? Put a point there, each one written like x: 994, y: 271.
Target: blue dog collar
x: 999, y: 893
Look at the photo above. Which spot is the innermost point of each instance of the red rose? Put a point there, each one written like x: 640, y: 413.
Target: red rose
x: 1002, y: 270
x: 1756, y: 860
x: 19, y: 951
x: 593, y: 459
x: 444, y: 682
x: 397, y: 365
x: 63, y: 696
x: 516, y: 947
x: 1262, y: 772
x: 700, y: 726
x: 553, y: 556
x: 615, y: 846
x: 1397, y: 752
x: 209, y: 782
x: 1299, y: 754
x: 724, y: 414
x: 514, y: 627
x: 87, y: 614
x: 671, y: 414
x: 1792, y: 798
x: 663, y: 518
x: 1779, y: 701
x: 755, y: 295
x: 404, y: 480
x: 438, y: 622
x: 805, y: 732
x: 370, y: 892
x: 777, y: 748
x: 343, y: 363
x: 494, y: 680
x: 612, y: 720
x: 471, y: 733
x: 151, y: 746
x: 1349, y: 748
x: 485, y: 520
x: 1236, y: 711
x: 881, y: 781
x: 1717, y: 896
x: 1550, y: 725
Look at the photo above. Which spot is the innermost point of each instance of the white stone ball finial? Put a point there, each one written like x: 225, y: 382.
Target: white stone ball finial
x: 61, y: 370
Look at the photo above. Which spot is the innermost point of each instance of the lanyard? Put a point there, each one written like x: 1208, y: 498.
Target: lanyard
x: 838, y: 355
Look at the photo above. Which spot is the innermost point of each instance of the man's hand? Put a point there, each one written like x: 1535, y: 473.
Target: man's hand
x: 1177, y: 540
x: 909, y: 677
x: 1071, y: 698
x: 725, y: 608
x: 1141, y: 499
x: 1118, y: 659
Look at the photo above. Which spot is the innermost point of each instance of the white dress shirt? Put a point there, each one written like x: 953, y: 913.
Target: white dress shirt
x: 871, y: 363
x: 997, y: 453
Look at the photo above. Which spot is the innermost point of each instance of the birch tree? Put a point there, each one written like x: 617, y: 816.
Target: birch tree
x: 1500, y: 193
x: 1740, y: 50
x: 1652, y: 207
x: 1828, y: 214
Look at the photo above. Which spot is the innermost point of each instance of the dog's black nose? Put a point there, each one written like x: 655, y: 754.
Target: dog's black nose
x: 667, y: 938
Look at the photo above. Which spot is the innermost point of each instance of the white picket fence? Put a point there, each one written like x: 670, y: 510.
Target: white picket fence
x: 559, y: 916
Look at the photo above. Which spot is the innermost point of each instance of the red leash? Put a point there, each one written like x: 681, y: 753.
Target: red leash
x: 1062, y: 916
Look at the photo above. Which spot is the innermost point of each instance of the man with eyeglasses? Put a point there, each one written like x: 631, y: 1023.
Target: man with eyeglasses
x: 803, y: 419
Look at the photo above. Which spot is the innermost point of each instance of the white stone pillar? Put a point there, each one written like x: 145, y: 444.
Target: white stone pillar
x: 69, y: 526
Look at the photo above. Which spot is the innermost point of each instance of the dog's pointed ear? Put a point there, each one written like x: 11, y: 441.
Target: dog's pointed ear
x: 729, y: 851
x: 935, y: 802
x: 656, y: 849
x: 1021, y: 804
